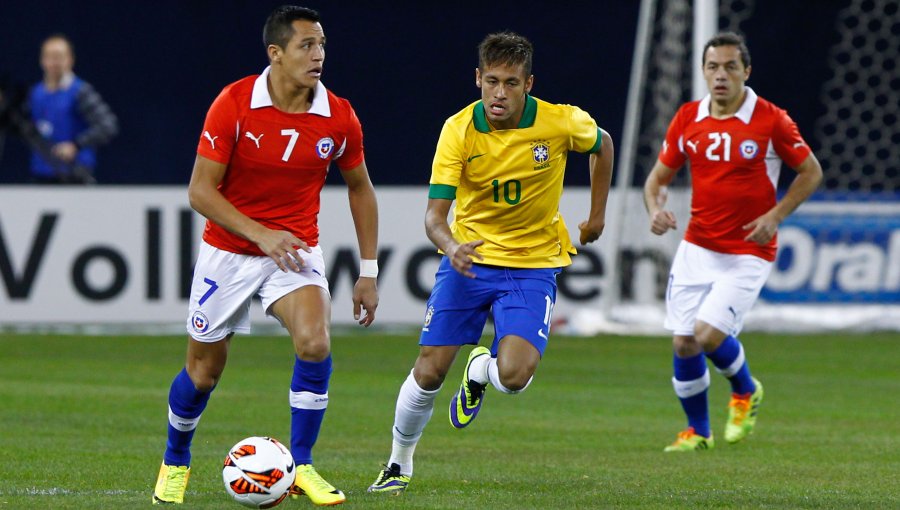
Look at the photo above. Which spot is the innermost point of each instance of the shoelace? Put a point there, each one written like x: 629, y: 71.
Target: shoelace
x: 316, y: 479
x: 388, y: 473
x: 741, y: 405
x: 475, y: 392
x: 175, y: 482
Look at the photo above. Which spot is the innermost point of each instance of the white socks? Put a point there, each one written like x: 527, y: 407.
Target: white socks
x: 478, y: 370
x: 414, y: 408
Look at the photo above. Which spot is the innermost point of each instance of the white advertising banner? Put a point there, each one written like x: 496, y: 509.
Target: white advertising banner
x: 124, y: 255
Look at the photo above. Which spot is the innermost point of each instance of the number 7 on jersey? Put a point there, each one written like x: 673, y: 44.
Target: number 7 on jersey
x: 290, y: 146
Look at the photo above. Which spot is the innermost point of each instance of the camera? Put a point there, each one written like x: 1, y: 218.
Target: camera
x: 15, y: 120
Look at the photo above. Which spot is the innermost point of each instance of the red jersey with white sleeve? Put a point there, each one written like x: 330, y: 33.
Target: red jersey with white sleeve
x: 734, y: 165
x: 277, y: 161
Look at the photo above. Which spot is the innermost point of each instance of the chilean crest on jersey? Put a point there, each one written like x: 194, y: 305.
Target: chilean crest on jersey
x: 749, y: 148
x: 540, y: 153
x: 199, y: 322
x: 324, y: 147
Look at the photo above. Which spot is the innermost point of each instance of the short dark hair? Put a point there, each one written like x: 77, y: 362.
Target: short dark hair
x: 62, y: 37
x: 505, y: 48
x: 279, y: 30
x: 728, y: 39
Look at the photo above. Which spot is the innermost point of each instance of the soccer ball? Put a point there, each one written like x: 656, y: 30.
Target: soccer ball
x: 258, y: 472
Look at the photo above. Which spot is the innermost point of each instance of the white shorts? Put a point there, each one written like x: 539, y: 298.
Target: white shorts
x: 224, y: 284
x: 716, y: 288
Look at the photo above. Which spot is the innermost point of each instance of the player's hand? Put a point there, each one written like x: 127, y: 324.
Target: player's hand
x: 590, y: 232
x: 65, y: 151
x: 662, y: 221
x: 282, y: 247
x: 762, y: 230
x: 461, y: 257
x: 365, y: 297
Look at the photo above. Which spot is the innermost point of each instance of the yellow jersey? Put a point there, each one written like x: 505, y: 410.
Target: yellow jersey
x: 508, y: 183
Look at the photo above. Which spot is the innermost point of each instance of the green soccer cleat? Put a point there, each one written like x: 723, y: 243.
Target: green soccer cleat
x: 466, y: 403
x: 390, y: 481
x: 742, y: 411
x: 310, y: 483
x: 689, y: 441
x: 171, y: 484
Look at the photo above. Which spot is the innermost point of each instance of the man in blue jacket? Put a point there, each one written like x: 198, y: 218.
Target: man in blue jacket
x: 70, y: 116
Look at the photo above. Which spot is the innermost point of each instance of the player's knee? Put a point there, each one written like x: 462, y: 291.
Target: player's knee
x: 708, y: 336
x: 204, y: 377
x: 314, y: 351
x: 312, y: 344
x: 515, y: 379
x: 429, y: 377
x: 685, y: 346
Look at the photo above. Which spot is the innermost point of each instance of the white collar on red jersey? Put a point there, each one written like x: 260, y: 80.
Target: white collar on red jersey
x: 744, y: 113
x: 261, y: 98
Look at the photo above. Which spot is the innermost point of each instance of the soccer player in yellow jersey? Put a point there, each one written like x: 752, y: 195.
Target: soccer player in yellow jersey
x: 502, y: 160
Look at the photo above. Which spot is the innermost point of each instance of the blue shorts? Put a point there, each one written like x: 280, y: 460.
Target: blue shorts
x: 520, y: 301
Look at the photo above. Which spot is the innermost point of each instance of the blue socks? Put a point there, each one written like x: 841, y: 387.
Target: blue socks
x: 729, y: 360
x: 691, y: 380
x: 691, y: 383
x: 309, y: 399
x: 186, y: 404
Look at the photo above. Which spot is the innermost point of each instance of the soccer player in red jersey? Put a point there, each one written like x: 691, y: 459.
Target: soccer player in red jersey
x: 735, y: 142
x: 262, y: 157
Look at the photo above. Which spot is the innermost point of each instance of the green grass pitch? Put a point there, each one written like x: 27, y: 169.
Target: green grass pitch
x: 82, y: 425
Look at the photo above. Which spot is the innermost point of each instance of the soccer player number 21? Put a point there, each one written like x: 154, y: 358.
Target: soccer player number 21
x: 717, y: 140
x: 512, y: 191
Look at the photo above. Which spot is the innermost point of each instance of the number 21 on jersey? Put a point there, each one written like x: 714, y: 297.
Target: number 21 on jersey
x: 720, y: 148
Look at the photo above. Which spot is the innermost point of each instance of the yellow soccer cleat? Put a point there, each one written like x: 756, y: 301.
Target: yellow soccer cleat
x: 171, y: 484
x: 689, y: 441
x: 390, y: 481
x: 310, y: 483
x: 466, y: 403
x: 742, y: 414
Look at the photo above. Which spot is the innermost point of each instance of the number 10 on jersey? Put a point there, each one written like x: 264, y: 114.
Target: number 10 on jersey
x: 512, y: 191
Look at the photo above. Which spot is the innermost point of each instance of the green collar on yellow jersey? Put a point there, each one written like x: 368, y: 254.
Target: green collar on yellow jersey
x: 528, y: 115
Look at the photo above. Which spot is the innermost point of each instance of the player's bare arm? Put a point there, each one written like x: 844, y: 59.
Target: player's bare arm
x: 364, y: 209
x: 661, y: 220
x: 809, y: 176
x: 206, y: 199
x: 438, y: 231
x: 601, y: 165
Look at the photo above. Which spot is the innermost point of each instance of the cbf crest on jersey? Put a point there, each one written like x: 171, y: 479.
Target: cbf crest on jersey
x: 428, y: 314
x: 540, y: 153
x: 324, y: 147
x: 749, y: 148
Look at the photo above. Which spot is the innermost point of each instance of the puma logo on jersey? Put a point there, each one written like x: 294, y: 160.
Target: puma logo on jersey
x: 255, y: 139
x: 212, y: 139
x: 693, y: 146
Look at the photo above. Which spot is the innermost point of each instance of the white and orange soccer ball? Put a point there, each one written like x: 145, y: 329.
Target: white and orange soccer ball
x: 258, y: 472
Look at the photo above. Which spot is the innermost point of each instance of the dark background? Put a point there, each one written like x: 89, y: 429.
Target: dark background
x: 405, y: 66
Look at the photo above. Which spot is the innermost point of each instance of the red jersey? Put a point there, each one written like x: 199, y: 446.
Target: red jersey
x: 734, y: 164
x: 277, y: 161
